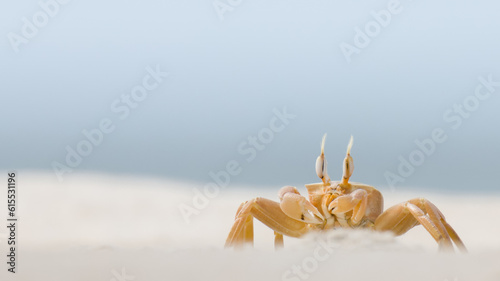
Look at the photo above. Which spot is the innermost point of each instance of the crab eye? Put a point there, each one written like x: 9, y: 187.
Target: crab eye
x: 321, y: 166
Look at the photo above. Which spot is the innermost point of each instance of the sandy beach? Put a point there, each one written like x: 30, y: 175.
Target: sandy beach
x: 101, y: 227
x: 124, y: 119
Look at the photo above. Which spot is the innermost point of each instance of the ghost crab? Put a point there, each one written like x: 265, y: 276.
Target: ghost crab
x: 338, y: 204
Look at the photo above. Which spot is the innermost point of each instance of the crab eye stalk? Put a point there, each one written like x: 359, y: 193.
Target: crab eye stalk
x: 348, y: 163
x: 321, y: 164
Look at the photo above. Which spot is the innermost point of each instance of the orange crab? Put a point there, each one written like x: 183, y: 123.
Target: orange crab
x: 338, y: 204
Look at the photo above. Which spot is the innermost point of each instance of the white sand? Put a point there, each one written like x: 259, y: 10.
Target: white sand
x: 91, y: 227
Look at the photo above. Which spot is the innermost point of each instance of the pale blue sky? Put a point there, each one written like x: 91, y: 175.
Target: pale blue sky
x: 227, y: 76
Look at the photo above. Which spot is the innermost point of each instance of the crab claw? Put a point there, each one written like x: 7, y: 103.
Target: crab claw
x: 297, y: 207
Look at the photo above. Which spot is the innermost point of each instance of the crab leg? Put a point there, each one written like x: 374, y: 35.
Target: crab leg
x: 404, y: 216
x: 270, y: 214
x: 454, y: 236
x: 447, y: 228
x: 248, y: 230
x: 433, y: 226
x: 278, y: 240
x: 437, y: 218
x: 246, y: 233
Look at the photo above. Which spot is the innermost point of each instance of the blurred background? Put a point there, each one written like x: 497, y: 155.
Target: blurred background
x: 232, y: 65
